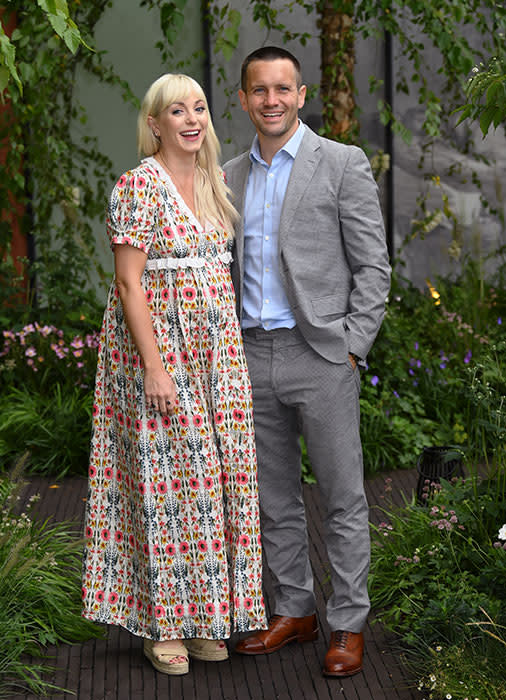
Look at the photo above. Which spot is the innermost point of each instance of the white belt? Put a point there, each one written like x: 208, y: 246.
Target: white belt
x: 175, y: 263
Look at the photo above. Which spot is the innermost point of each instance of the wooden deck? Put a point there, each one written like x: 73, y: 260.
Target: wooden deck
x: 114, y: 668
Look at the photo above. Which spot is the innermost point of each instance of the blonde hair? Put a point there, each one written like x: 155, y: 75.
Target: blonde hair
x: 210, y: 189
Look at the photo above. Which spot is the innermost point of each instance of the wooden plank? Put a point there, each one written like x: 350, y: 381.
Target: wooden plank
x: 116, y: 669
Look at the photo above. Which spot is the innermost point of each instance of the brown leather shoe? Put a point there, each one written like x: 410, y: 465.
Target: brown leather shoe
x: 282, y: 630
x: 344, y: 657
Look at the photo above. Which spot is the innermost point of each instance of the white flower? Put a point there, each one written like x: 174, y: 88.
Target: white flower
x: 502, y: 533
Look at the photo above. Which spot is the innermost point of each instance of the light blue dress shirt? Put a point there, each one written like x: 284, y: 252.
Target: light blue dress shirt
x: 265, y: 304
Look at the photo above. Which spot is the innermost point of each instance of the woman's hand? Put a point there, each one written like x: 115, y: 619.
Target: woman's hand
x: 160, y: 391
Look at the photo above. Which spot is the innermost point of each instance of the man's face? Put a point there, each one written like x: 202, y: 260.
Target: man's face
x: 272, y: 98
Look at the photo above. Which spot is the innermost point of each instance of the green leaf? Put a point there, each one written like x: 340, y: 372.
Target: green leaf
x: 486, y: 119
x: 4, y: 78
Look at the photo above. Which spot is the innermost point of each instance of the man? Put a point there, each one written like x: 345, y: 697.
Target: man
x: 311, y: 275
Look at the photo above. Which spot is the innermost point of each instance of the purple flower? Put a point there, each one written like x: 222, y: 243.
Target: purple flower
x: 442, y: 365
x: 467, y: 357
x: 499, y: 321
x: 416, y: 345
x: 374, y: 380
x: 396, y: 394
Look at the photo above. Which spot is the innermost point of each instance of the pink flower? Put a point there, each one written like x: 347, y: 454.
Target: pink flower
x: 130, y: 601
x: 118, y: 536
x: 159, y: 611
x: 105, y: 534
x: 210, y: 609
x: 176, y: 484
x: 241, y: 478
x: 223, y: 608
x: 189, y: 293
x: 219, y: 418
x: 244, y: 540
x: 232, y: 351
x: 238, y: 415
x: 202, y: 545
x: 179, y: 610
x: 192, y: 609
x: 183, y: 547
x: 113, y: 598
x: 100, y: 596
x: 170, y: 549
x: 162, y: 487
x: 216, y: 545
x: 248, y: 603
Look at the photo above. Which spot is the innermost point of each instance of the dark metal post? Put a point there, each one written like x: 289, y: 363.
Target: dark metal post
x: 206, y: 42
x: 389, y: 146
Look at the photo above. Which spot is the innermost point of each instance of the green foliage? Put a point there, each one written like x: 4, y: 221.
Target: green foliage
x: 40, y: 566
x: 58, y: 17
x: 436, y: 373
x: 53, y: 170
x: 437, y: 570
x: 48, y: 378
x: 486, y: 94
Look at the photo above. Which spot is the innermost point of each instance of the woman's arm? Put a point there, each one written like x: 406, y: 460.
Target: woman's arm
x: 159, y: 388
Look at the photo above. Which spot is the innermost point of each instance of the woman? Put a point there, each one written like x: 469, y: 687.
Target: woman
x: 173, y: 545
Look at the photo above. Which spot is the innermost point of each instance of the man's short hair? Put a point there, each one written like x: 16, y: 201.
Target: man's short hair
x: 269, y: 53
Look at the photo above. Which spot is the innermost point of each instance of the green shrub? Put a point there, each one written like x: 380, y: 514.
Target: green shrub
x: 48, y: 378
x: 40, y: 567
x: 437, y: 570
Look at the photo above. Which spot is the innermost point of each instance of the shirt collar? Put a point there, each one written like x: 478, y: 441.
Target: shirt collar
x: 291, y: 146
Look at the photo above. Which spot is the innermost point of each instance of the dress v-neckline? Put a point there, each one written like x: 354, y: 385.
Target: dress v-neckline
x: 167, y: 178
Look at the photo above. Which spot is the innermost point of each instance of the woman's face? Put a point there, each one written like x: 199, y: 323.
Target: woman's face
x: 182, y: 125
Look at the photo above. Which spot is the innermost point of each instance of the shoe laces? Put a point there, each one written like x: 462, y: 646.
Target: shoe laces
x: 341, y: 638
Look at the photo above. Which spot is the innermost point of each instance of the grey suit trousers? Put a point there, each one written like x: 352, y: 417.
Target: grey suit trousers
x: 296, y: 391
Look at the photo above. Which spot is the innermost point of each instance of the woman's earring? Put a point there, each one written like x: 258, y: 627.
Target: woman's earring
x: 156, y: 134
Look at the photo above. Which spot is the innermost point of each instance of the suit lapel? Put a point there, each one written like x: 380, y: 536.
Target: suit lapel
x: 238, y: 186
x: 306, y: 161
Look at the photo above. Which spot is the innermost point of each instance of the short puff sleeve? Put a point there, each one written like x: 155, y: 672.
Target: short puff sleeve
x: 133, y: 211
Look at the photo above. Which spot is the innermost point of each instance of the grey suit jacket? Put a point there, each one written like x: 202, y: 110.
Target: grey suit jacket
x: 332, y: 254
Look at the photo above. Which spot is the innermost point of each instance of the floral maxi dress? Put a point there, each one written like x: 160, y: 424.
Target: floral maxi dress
x: 172, y: 527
